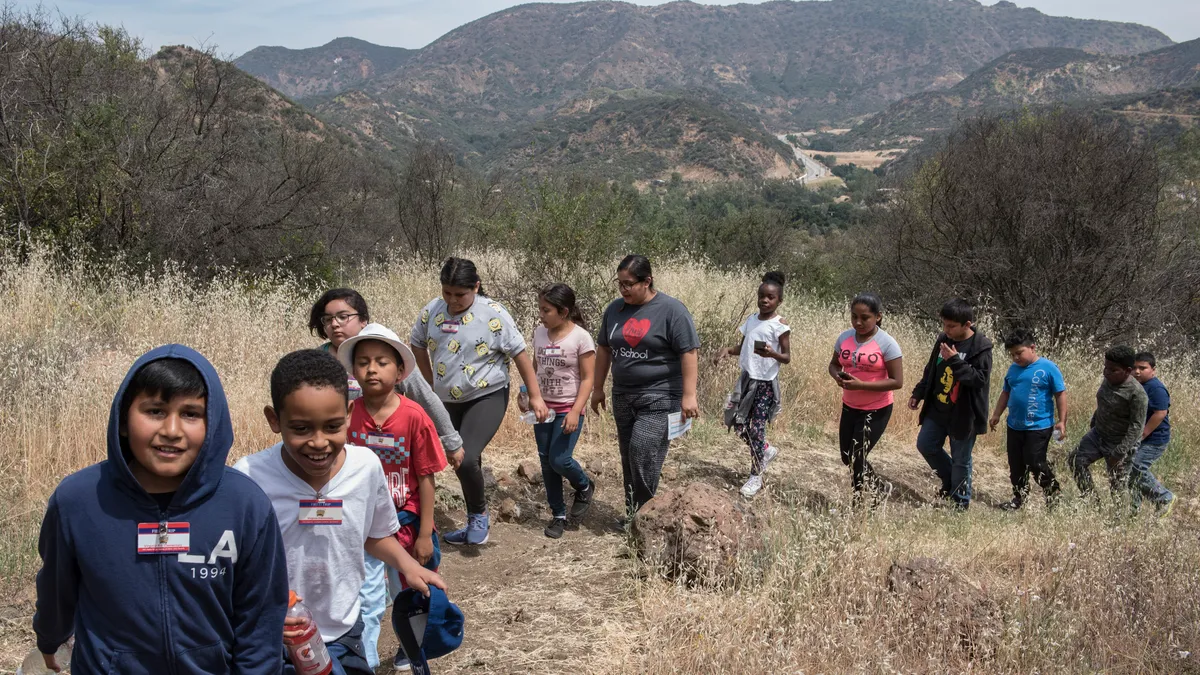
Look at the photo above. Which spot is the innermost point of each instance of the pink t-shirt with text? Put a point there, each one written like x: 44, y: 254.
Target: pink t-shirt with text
x: 558, y: 365
x: 866, y: 361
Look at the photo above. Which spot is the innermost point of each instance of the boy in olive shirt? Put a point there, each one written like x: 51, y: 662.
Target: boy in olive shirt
x: 1117, y: 424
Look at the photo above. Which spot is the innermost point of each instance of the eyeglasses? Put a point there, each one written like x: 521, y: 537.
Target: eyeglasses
x: 330, y: 319
x: 626, y: 285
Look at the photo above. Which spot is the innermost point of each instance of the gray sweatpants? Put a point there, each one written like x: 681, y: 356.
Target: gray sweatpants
x: 642, y: 436
x: 1091, y: 449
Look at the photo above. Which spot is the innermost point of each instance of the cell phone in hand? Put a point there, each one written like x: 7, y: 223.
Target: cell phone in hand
x: 759, y: 345
x: 844, y: 375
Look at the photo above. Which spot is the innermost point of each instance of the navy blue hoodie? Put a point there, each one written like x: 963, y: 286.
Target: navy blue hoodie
x: 217, y: 609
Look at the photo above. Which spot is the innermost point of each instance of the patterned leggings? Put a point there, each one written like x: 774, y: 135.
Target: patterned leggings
x: 754, y: 431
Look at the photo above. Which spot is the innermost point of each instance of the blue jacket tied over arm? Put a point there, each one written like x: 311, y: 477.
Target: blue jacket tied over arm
x: 218, y: 608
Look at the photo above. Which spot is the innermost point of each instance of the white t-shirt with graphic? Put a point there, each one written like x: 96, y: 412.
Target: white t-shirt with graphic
x: 325, y: 561
x: 754, y: 330
x: 558, y: 365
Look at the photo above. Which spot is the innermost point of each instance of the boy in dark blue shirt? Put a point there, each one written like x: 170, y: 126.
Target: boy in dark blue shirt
x: 1033, y: 388
x: 162, y: 559
x: 1155, y: 436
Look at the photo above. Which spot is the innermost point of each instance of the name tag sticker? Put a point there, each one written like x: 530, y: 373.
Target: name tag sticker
x: 552, y: 351
x: 320, y: 512
x: 381, y: 441
x: 162, y: 538
x: 450, y: 326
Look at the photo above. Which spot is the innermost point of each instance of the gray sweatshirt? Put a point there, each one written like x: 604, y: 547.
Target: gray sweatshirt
x: 415, y: 387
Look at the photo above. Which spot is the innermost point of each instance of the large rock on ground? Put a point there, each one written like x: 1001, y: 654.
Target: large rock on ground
x: 941, y: 599
x: 695, y: 532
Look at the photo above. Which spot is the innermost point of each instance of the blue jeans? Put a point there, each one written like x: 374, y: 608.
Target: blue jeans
x: 373, y: 597
x: 1143, y: 482
x: 953, y: 469
x: 345, y: 652
x: 556, y: 452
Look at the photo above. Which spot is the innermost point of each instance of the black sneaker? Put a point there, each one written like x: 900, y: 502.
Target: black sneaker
x: 1012, y: 505
x: 583, y: 500
x: 554, y: 529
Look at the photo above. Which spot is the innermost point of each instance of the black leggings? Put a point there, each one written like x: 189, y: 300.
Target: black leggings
x: 858, y: 433
x: 477, y: 421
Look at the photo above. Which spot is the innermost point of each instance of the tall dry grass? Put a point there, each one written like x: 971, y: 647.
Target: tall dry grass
x: 1074, y: 590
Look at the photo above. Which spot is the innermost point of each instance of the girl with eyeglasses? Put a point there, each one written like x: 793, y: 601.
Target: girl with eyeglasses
x: 649, y: 341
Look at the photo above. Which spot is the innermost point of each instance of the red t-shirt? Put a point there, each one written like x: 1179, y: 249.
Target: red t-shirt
x: 407, y: 444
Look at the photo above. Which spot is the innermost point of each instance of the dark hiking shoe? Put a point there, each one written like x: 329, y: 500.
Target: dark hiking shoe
x: 583, y: 500
x: 554, y: 529
x: 1012, y: 505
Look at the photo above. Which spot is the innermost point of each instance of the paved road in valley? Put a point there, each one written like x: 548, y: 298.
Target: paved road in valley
x: 813, y: 170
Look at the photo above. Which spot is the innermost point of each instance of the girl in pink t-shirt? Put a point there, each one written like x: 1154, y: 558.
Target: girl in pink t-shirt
x: 868, y: 366
x: 565, y: 357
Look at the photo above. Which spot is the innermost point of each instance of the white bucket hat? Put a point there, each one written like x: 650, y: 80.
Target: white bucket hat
x: 375, y: 331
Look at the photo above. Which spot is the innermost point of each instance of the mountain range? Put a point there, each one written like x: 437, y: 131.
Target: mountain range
x: 1031, y: 77
x: 702, y: 90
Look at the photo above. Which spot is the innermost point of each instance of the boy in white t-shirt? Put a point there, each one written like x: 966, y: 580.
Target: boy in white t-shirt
x: 754, y: 401
x: 332, y: 503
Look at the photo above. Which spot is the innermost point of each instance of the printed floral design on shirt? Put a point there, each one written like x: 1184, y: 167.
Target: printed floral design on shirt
x: 456, y: 392
x: 481, y: 347
x: 495, y: 326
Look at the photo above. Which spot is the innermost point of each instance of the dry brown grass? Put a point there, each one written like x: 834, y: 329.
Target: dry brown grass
x: 1075, y: 591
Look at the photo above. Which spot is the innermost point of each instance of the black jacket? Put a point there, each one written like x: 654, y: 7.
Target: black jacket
x: 972, y: 375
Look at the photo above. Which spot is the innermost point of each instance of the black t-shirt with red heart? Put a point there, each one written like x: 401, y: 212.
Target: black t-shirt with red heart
x: 647, y: 341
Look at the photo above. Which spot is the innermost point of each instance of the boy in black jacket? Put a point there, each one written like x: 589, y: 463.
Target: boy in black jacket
x: 954, y: 390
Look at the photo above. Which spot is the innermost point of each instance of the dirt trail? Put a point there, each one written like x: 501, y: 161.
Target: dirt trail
x: 536, y: 605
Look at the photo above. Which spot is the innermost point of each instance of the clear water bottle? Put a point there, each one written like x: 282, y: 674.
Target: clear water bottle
x: 307, y: 652
x: 523, y: 399
x: 1057, y: 436
x: 34, y: 664
x: 531, y: 417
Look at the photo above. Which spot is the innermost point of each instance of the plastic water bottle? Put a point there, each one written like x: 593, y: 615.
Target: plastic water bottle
x: 34, y: 664
x: 531, y: 417
x: 523, y: 399
x: 308, y: 652
x: 1057, y: 436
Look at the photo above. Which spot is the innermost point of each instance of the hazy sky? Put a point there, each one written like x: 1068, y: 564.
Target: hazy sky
x: 236, y: 26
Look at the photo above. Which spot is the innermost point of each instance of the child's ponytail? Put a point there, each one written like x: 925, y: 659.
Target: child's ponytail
x: 461, y: 273
x: 562, y: 298
x: 776, y: 279
x: 872, y: 302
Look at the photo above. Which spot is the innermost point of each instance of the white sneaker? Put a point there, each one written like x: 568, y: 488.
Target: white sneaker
x: 769, y: 453
x: 752, y: 486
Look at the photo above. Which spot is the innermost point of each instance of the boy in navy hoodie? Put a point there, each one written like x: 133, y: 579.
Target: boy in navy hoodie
x: 161, y: 559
